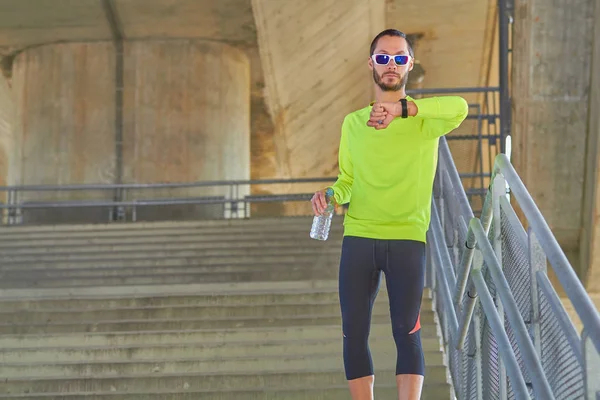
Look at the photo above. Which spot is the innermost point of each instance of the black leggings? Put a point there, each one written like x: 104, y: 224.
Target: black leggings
x: 403, y: 262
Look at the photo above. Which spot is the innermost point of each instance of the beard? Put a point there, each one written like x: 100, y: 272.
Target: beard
x: 387, y: 87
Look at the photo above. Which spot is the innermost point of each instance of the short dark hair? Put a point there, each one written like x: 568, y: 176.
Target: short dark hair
x: 392, y: 32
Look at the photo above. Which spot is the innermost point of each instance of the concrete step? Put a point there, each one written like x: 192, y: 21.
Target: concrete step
x: 291, y: 273
x: 197, y: 381
x: 179, y: 251
x: 191, y: 289
x: 183, y: 243
x: 186, y: 324
x: 147, y: 237
x: 175, y: 299
x: 143, y: 270
x: 101, y: 301
x: 50, y: 273
x: 142, y: 352
x: 261, y: 333
x: 333, y: 392
x: 188, y: 312
x: 167, y: 260
x: 383, y: 358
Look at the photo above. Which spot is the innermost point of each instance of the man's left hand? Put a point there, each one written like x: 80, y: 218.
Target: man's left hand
x: 382, y: 114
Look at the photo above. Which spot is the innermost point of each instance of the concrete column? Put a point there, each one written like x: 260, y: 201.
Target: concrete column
x: 187, y: 117
x: 64, y: 131
x: 590, y: 243
x: 552, y: 59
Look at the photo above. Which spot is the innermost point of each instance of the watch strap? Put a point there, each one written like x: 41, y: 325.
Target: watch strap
x: 404, y: 103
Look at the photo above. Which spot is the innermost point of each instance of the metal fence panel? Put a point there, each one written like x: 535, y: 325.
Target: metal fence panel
x: 552, y: 364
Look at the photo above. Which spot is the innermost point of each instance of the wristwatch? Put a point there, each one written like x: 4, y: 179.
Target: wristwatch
x: 404, y: 108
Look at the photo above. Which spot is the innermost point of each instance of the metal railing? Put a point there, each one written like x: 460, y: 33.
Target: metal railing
x: 506, y: 333
x: 232, y: 196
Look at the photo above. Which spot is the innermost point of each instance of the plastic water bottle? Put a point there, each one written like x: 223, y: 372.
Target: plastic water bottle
x: 322, y: 223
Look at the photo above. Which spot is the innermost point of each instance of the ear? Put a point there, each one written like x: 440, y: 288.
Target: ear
x: 411, y: 64
x: 370, y: 63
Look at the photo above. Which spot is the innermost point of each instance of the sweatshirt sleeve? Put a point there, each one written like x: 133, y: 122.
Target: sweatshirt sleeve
x: 342, y: 188
x: 442, y: 114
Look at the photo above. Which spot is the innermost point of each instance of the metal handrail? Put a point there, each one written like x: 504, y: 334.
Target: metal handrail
x: 178, y: 185
x: 507, y: 352
x: 558, y: 260
x: 477, y: 250
x: 158, y: 202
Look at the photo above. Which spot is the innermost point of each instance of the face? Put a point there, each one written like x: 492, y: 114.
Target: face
x: 391, y: 77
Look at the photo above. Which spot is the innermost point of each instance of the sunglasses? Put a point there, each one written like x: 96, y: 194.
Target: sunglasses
x: 384, y: 59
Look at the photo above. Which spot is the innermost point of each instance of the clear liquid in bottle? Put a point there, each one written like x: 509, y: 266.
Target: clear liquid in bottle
x: 322, y: 223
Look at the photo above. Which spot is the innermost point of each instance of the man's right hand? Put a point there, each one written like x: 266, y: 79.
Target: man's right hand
x: 319, y: 202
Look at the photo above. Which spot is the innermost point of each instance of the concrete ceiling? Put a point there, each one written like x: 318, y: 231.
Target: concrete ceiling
x: 26, y: 23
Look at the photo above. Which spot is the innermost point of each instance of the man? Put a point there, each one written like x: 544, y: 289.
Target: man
x: 387, y: 162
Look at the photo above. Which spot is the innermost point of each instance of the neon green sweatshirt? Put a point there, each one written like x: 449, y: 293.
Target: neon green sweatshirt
x: 387, y: 175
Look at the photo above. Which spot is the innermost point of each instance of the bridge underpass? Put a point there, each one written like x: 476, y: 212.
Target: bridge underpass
x: 292, y: 89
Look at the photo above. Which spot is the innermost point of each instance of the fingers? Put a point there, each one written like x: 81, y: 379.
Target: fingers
x: 377, y: 109
x: 378, y: 115
x: 323, y: 200
x: 319, y: 203
x: 376, y: 119
x: 313, y: 202
x: 382, y: 123
x: 378, y: 124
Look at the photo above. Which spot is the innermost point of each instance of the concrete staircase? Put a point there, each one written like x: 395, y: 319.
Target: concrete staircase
x: 222, y: 310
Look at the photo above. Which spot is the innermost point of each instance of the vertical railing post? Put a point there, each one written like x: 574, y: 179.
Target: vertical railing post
x: 236, y: 195
x: 499, y: 190
x: 122, y: 212
x: 477, y: 329
x: 13, y: 211
x: 228, y: 209
x: 537, y: 262
x: 503, y: 53
x: 9, y: 210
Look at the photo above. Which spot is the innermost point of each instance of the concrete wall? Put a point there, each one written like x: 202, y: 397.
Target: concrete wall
x: 590, y: 243
x: 552, y: 60
x: 64, y: 130
x: 314, y: 57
